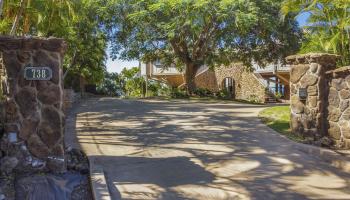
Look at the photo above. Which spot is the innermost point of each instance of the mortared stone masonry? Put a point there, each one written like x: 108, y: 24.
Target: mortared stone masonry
x: 325, y: 111
x: 34, y: 119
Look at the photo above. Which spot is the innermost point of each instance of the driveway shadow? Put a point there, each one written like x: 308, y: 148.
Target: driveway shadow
x: 186, y: 150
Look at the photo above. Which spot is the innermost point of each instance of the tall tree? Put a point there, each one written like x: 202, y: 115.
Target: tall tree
x: 328, y: 28
x: 193, y: 33
x: 76, y: 21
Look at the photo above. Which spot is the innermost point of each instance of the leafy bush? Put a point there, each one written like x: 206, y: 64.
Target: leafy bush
x: 110, y: 85
x: 254, y: 99
x: 178, y: 93
x: 278, y: 95
x: 203, y: 92
x: 223, y: 94
x: 133, y: 86
x: 156, y: 88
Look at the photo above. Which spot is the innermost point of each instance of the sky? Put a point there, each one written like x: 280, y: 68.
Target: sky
x: 118, y: 65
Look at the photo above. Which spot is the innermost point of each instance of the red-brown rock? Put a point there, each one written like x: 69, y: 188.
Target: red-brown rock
x: 27, y: 102
x: 37, y: 147
x: 43, y: 59
x: 29, y: 127
x: 12, y: 64
x: 50, y: 95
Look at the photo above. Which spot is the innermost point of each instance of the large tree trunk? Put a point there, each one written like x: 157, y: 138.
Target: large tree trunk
x: 190, y: 74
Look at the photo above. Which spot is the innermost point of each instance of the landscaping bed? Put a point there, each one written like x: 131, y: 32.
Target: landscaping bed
x: 71, y: 185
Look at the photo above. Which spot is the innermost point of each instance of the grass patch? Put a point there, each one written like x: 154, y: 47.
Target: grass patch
x: 278, y: 119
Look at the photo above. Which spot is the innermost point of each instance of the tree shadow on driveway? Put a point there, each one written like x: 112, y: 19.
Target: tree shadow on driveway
x: 186, y: 150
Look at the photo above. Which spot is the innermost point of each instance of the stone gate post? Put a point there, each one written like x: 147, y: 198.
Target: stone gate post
x: 34, y: 122
x: 309, y: 93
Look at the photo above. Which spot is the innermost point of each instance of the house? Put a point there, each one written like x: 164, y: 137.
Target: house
x: 260, y: 85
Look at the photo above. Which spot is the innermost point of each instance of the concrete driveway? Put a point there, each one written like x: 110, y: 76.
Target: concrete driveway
x: 154, y: 149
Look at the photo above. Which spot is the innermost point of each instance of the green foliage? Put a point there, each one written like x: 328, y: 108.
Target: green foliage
x: 254, y: 99
x: 132, y: 83
x: 223, y: 94
x: 156, y: 88
x: 328, y: 28
x: 111, y: 85
x: 133, y: 87
x: 278, y: 95
x: 192, y: 33
x: 75, y: 21
x: 178, y: 93
x: 203, y: 92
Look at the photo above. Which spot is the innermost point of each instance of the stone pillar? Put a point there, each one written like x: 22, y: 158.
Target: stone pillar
x: 34, y: 124
x: 309, y: 117
x: 338, y: 108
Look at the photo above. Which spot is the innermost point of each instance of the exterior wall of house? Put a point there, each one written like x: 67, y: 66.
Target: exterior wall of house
x: 247, y: 86
x: 207, y: 80
x: 251, y: 88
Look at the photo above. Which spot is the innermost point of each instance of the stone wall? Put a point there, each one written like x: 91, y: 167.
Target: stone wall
x: 247, y: 86
x: 338, y: 109
x: 251, y: 88
x: 207, y: 80
x: 324, y: 114
x: 34, y: 121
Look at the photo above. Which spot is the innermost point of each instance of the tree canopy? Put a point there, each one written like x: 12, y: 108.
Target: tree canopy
x: 192, y: 33
x: 328, y: 27
x: 76, y: 21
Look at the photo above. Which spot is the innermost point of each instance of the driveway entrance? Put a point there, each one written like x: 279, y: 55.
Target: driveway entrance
x: 198, y: 150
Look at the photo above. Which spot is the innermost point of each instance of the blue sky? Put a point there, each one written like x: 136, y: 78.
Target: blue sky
x: 118, y: 65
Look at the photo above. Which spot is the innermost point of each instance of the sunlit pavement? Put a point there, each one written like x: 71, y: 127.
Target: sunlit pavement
x: 156, y: 149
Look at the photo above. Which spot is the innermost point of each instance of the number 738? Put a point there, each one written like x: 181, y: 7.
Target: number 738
x: 39, y: 73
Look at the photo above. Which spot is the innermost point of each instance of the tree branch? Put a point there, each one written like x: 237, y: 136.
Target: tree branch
x: 15, y: 23
x: 70, y: 66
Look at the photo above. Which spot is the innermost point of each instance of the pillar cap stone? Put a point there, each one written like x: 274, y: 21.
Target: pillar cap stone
x: 312, y: 58
x: 345, y: 69
x: 30, y: 43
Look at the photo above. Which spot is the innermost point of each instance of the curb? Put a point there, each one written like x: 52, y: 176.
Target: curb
x: 326, y: 155
x: 98, y: 182
x: 334, y: 159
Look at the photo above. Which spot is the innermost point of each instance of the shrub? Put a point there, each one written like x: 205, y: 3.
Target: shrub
x: 178, y: 93
x: 203, y: 92
x: 156, y: 88
x: 223, y: 94
x: 278, y: 95
x: 254, y: 99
